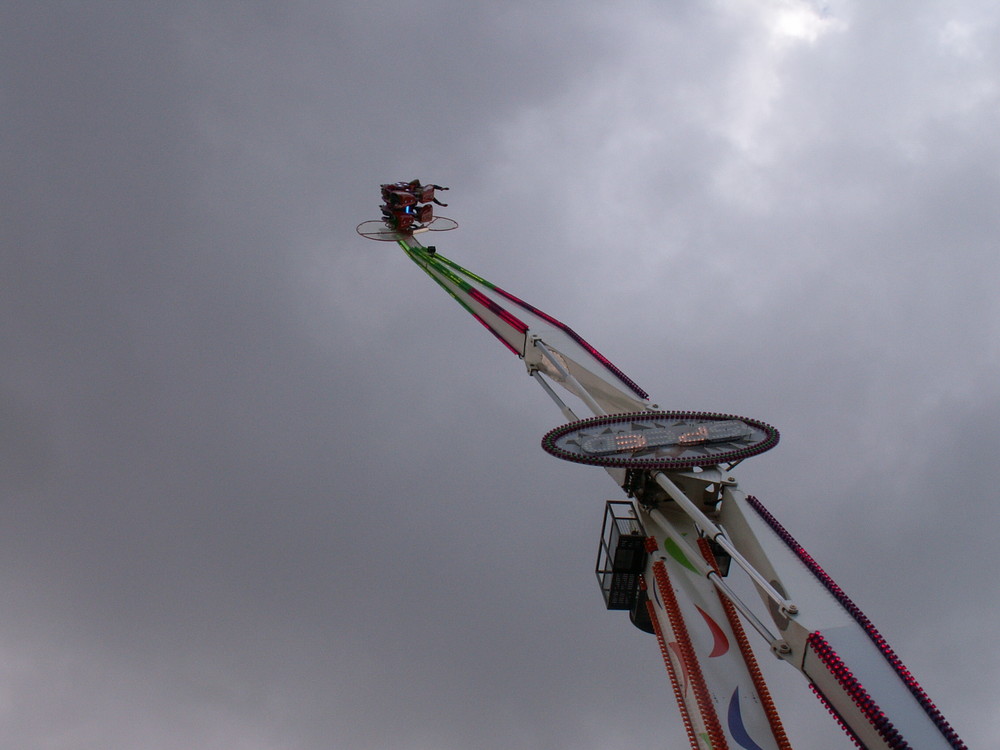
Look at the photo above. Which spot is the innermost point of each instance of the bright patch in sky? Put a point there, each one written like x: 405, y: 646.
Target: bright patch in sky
x: 788, y: 21
x: 798, y: 22
x: 958, y: 37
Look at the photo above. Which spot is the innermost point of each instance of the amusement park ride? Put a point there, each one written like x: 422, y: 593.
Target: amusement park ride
x: 666, y: 552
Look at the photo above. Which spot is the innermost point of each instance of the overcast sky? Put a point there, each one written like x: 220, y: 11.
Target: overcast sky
x: 265, y: 487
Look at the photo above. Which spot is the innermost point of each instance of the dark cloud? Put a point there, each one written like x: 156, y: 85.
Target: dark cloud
x: 264, y: 486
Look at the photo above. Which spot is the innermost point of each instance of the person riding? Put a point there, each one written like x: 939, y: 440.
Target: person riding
x: 407, y: 193
x: 404, y: 217
x: 425, y: 193
x: 398, y: 198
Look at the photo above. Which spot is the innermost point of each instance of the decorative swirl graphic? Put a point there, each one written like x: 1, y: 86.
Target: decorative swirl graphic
x: 736, y: 726
x: 721, y: 642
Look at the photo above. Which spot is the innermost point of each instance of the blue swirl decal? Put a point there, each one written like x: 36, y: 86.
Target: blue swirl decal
x: 736, y: 727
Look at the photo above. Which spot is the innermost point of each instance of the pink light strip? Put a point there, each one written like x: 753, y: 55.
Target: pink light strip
x: 578, y: 339
x: 890, y: 656
x: 853, y: 687
x: 513, y: 321
x: 496, y: 333
x: 836, y: 716
x: 557, y: 323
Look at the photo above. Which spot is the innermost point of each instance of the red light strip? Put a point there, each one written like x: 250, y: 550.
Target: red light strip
x: 756, y: 676
x: 514, y: 322
x: 578, y: 339
x: 496, y: 333
x: 890, y: 656
x: 837, y: 717
x: 688, y: 656
x: 674, y: 681
x: 853, y: 687
x: 553, y: 321
x: 440, y: 274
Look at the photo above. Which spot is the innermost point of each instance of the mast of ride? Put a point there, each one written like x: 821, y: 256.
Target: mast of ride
x: 665, y: 554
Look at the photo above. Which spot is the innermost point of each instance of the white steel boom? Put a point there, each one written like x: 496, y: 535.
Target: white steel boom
x: 666, y: 551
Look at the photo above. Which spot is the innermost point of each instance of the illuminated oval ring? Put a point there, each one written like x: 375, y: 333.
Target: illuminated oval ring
x: 695, y: 447
x: 381, y: 231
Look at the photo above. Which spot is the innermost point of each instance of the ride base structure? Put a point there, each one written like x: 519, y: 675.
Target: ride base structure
x: 665, y: 552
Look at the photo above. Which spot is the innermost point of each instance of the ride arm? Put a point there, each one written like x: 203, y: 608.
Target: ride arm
x: 544, y: 343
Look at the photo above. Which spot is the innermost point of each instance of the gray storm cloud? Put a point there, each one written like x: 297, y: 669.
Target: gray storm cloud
x: 265, y: 486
